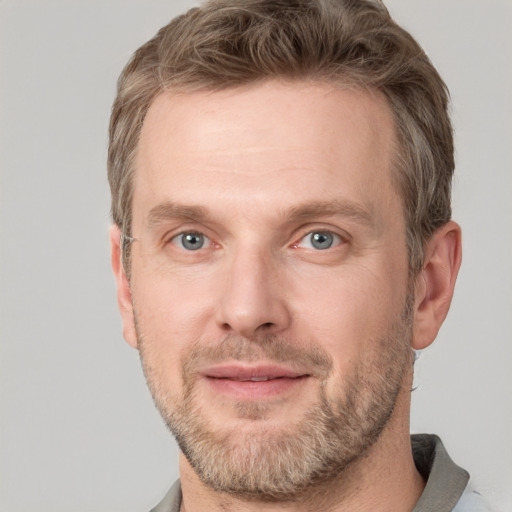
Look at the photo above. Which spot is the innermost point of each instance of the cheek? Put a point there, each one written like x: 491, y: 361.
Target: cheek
x: 174, y: 309
x: 348, y: 312
x: 166, y: 329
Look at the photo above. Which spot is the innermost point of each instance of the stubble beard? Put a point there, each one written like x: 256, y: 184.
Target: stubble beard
x: 261, y: 462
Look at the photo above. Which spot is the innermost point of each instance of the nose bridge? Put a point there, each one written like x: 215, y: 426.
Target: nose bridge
x: 252, y: 299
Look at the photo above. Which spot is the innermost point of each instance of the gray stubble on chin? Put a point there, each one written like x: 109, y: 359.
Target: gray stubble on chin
x: 254, y: 461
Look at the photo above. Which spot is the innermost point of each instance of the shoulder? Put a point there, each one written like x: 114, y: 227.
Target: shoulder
x: 446, y: 486
x: 472, y: 501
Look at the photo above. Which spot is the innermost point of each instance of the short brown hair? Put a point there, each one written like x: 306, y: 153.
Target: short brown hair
x: 229, y: 43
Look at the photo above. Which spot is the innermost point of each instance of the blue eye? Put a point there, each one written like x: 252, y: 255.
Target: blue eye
x: 320, y: 240
x: 190, y: 241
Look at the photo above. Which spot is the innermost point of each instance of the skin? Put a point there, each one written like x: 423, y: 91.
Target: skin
x: 251, y: 158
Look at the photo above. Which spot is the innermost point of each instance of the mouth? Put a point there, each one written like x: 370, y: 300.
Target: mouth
x: 253, y: 382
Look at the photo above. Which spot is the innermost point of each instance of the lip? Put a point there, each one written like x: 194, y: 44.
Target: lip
x: 246, y: 382
x: 248, y: 372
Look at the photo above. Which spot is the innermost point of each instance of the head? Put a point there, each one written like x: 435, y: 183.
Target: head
x: 225, y: 44
x: 281, y: 171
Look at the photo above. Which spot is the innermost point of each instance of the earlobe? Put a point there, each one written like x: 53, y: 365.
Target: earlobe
x: 124, y: 296
x: 435, y: 284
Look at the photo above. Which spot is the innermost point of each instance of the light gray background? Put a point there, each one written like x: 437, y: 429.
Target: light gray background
x: 78, y: 428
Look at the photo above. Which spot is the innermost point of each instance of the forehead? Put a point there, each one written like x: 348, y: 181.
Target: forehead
x: 274, y: 143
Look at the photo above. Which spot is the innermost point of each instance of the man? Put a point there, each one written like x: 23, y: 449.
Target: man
x: 282, y: 243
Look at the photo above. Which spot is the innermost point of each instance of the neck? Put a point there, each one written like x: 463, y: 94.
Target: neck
x: 384, y: 478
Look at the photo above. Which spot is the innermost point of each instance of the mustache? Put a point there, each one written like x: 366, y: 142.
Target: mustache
x: 296, y: 355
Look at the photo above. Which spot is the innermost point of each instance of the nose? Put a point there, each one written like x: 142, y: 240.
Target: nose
x: 253, y: 298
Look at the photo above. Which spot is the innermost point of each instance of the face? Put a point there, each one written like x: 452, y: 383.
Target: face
x: 270, y: 280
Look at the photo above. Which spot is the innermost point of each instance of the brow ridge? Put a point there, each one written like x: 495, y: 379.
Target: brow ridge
x: 172, y: 210
x: 334, y: 207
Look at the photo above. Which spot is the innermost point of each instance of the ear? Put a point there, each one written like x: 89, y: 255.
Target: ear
x: 435, y: 283
x: 124, y: 295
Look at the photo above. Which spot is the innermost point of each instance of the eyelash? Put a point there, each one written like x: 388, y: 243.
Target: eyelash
x: 336, y: 239
x: 189, y: 233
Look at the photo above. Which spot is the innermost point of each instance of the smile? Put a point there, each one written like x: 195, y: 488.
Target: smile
x: 253, y: 383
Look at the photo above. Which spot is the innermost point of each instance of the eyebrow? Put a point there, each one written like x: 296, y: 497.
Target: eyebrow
x: 171, y: 210
x: 332, y: 208
x: 168, y: 210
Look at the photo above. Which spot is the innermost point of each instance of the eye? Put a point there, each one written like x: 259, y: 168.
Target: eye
x: 320, y: 240
x: 190, y: 241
